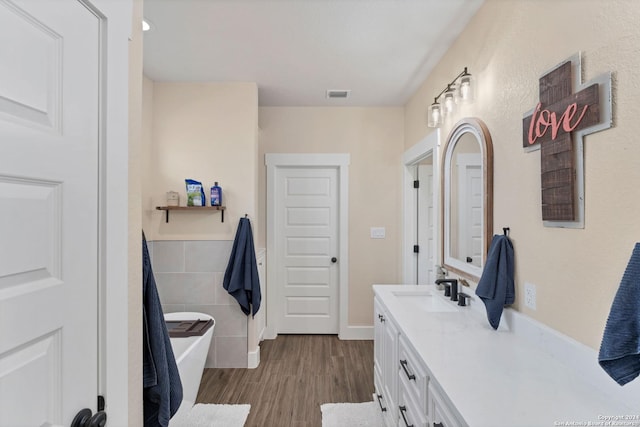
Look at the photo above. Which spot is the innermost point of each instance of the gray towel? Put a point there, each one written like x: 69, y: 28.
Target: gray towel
x: 496, y: 288
x: 620, y: 348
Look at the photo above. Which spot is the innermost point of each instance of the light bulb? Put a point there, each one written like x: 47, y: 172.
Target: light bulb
x: 449, y: 103
x: 466, y: 89
x: 434, y: 115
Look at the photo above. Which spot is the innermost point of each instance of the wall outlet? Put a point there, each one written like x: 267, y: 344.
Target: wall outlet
x: 377, y: 232
x: 530, y: 295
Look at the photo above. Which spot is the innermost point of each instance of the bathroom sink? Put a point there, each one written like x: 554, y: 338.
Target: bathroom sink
x: 423, y: 300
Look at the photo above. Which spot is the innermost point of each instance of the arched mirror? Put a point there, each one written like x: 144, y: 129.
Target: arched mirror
x: 467, y: 198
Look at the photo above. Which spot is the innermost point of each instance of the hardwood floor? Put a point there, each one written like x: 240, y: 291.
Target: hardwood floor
x: 297, y: 374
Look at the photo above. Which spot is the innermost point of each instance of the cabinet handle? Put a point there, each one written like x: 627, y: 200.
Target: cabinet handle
x: 403, y: 409
x: 382, y: 408
x: 381, y: 317
x: 438, y: 425
x: 404, y: 364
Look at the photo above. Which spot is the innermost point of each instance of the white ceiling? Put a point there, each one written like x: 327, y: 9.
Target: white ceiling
x: 296, y: 50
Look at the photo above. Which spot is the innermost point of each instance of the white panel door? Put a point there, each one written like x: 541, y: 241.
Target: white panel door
x: 426, y: 226
x: 49, y: 148
x: 306, y: 235
x: 470, y: 237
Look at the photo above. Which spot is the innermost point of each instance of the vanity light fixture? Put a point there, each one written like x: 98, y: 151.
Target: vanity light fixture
x: 460, y: 90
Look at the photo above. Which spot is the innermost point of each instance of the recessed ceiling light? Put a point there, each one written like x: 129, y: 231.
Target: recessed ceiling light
x: 146, y: 25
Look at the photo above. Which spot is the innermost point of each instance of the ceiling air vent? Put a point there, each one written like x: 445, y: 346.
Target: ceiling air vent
x: 338, y: 94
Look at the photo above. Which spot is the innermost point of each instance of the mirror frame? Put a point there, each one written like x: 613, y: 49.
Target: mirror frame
x: 480, y: 131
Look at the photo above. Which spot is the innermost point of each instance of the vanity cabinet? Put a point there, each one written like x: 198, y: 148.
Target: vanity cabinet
x: 514, y: 372
x: 401, y: 379
x: 403, y: 386
x: 385, y: 349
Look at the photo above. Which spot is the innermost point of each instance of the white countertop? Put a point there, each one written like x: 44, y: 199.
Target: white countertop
x: 504, y: 378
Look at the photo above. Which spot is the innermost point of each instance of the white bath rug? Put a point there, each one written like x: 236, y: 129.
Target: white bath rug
x: 212, y: 415
x: 365, y: 414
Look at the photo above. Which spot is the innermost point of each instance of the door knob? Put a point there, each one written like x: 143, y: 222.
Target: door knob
x: 334, y: 260
x: 84, y: 418
x: 99, y: 419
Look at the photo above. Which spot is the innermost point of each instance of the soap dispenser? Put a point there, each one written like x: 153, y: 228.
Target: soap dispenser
x: 441, y: 274
x: 216, y: 195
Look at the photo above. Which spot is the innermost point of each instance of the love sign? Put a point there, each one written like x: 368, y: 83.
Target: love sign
x: 543, y: 119
x: 567, y: 111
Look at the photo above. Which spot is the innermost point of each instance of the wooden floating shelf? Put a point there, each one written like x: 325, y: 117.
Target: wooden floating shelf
x: 166, y: 209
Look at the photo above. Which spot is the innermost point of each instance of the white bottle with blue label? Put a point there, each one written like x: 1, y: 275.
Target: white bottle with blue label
x: 216, y: 195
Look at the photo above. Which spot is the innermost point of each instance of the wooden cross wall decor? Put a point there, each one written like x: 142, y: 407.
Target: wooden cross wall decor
x: 567, y: 111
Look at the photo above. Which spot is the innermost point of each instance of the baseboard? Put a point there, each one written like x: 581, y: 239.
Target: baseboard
x: 352, y: 333
x: 253, y: 358
x: 356, y: 333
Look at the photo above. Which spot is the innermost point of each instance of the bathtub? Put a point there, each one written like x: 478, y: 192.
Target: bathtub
x: 191, y: 355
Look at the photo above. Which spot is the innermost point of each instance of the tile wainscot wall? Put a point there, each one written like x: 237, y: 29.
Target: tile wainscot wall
x: 189, y: 277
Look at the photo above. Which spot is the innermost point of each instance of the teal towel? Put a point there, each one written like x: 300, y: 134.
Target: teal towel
x: 496, y: 288
x: 620, y: 348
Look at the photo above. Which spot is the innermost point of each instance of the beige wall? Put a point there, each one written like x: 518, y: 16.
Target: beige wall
x: 507, y: 46
x: 135, y: 249
x: 207, y: 132
x: 146, y: 171
x: 374, y: 138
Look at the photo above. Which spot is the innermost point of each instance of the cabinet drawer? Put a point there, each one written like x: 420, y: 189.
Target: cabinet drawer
x: 413, y: 375
x: 410, y: 414
x: 441, y: 413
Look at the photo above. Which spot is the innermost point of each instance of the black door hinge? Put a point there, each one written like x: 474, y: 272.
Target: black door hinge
x: 416, y: 184
x: 100, y: 403
x: 416, y: 249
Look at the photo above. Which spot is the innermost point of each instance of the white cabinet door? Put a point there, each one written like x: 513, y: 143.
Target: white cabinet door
x: 385, y: 359
x: 390, y: 367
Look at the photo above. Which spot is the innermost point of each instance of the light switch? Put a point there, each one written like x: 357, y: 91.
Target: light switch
x: 377, y: 232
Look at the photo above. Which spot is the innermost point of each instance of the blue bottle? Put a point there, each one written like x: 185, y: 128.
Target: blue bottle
x: 216, y: 195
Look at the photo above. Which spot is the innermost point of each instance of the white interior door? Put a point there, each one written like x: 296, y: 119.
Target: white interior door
x: 49, y: 127
x: 422, y: 221
x: 426, y: 225
x: 307, y: 249
x: 421, y: 212
x: 470, y: 210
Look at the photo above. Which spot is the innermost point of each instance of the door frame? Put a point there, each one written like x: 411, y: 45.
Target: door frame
x: 114, y: 359
x: 340, y: 161
x: 428, y: 146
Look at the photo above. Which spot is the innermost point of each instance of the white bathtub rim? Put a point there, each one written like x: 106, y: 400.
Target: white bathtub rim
x: 183, y: 345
